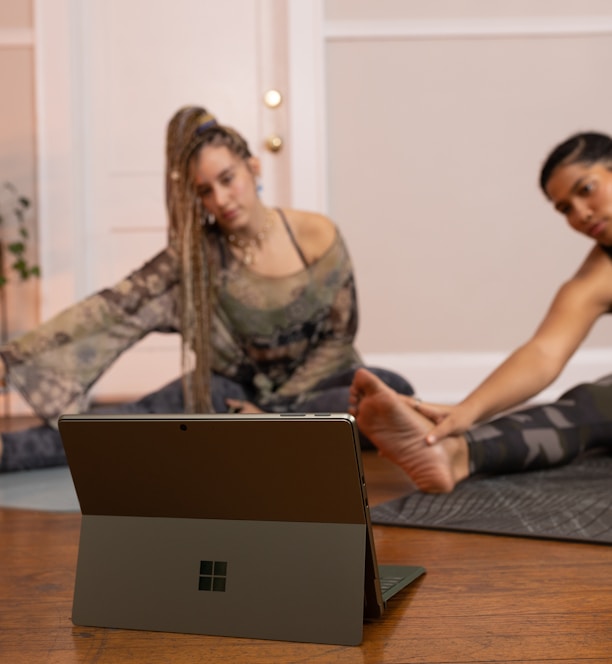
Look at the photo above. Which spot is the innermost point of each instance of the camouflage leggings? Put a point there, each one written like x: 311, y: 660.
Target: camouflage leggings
x: 547, y: 435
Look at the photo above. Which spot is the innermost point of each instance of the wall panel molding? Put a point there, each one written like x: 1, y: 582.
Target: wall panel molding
x: 512, y: 27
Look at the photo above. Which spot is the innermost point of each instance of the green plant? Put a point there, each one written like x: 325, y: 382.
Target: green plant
x: 13, y: 207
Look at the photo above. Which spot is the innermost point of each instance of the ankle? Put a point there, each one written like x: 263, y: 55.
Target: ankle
x: 459, y: 458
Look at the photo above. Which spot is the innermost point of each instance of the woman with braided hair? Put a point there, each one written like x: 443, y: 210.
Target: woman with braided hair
x: 264, y: 299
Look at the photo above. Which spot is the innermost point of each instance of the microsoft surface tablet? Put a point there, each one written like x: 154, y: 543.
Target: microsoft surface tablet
x: 237, y: 525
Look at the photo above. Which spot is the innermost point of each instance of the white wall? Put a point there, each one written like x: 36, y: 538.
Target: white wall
x: 439, y: 115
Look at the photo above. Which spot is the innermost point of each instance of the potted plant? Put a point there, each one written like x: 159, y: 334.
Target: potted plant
x: 14, y: 237
x: 13, y: 208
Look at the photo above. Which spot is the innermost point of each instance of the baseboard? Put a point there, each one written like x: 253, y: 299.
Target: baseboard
x: 448, y: 377
x: 437, y: 377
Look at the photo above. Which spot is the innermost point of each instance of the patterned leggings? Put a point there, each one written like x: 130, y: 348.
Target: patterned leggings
x: 41, y: 446
x: 545, y: 436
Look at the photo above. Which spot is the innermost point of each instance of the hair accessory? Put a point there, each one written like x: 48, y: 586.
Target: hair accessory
x: 207, y: 122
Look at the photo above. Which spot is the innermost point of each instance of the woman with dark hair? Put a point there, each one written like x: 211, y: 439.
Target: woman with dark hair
x: 439, y: 446
x: 264, y: 299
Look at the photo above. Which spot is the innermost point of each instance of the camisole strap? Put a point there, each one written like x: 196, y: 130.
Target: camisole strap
x: 292, y: 237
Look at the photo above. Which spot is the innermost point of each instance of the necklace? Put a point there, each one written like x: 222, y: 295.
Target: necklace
x: 248, y: 245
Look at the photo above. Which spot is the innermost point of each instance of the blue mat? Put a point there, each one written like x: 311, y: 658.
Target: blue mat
x: 50, y: 490
x: 573, y: 502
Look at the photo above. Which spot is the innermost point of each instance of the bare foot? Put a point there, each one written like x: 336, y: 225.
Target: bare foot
x: 399, y: 431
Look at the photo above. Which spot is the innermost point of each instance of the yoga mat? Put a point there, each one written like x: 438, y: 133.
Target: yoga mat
x: 49, y: 489
x: 572, y: 502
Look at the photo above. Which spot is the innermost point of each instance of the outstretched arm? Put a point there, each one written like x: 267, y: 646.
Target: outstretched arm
x: 55, y: 364
x: 536, y: 364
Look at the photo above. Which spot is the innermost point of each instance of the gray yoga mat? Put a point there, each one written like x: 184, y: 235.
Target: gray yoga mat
x: 573, y: 502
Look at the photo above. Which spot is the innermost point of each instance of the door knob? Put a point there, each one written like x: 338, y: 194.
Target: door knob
x: 274, y: 143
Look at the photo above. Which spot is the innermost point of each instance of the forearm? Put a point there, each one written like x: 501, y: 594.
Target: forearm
x: 521, y: 376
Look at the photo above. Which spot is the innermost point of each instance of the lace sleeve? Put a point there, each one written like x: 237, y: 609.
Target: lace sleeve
x: 54, y: 365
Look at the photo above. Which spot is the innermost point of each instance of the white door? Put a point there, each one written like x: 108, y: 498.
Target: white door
x: 111, y: 74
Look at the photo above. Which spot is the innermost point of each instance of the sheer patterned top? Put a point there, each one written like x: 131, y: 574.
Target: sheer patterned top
x: 279, y: 336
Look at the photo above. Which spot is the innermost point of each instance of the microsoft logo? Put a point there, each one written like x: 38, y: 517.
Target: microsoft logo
x: 213, y: 575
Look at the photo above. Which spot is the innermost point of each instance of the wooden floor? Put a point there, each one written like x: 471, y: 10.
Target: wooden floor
x: 484, y: 599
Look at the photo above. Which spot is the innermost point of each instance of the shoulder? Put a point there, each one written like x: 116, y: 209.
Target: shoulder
x: 314, y: 232
x: 592, y: 283
x: 579, y: 302
x: 596, y: 266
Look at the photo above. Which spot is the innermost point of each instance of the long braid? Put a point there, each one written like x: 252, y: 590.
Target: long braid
x: 200, y: 316
x: 188, y: 131
x: 185, y: 236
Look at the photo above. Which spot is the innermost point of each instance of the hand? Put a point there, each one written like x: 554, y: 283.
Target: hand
x: 447, y: 420
x: 243, y: 407
x: 435, y: 412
